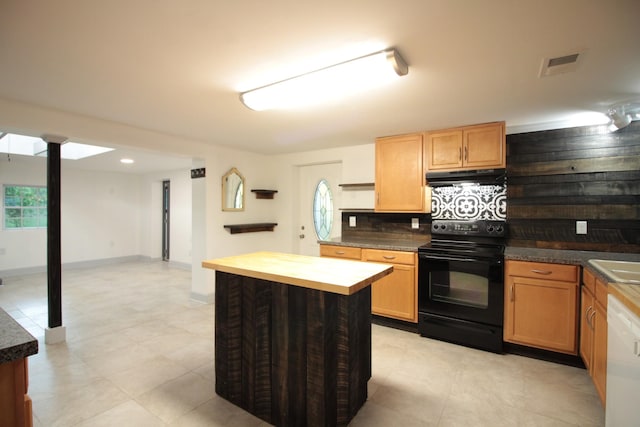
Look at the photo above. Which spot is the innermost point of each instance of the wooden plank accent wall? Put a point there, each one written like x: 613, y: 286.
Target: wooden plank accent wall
x: 558, y: 177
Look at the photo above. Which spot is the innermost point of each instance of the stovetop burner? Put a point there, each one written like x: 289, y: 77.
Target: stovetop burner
x: 482, y: 238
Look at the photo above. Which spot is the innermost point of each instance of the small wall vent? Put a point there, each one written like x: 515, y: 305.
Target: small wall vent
x: 560, y: 64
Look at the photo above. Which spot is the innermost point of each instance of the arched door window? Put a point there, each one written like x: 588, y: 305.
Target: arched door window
x: 323, y: 210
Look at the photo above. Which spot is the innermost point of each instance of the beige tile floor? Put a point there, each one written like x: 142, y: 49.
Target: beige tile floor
x: 139, y: 353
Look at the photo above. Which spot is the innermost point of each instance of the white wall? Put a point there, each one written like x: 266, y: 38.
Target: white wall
x: 358, y: 166
x: 21, y: 248
x: 100, y: 215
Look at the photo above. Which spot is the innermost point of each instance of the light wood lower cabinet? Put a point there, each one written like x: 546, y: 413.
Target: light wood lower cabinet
x: 593, y: 330
x: 541, y: 305
x: 15, y: 403
x: 395, y: 295
x: 346, y: 252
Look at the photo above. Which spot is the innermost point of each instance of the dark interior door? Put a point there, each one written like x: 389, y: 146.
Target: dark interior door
x: 166, y: 187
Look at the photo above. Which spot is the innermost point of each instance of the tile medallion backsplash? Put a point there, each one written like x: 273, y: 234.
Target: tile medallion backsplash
x: 469, y: 202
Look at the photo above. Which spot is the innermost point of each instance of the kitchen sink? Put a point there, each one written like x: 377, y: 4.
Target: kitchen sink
x: 618, y: 271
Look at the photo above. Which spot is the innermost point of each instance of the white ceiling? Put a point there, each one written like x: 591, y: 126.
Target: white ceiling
x: 176, y: 67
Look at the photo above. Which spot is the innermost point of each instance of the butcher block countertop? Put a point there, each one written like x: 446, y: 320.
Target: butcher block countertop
x: 340, y: 276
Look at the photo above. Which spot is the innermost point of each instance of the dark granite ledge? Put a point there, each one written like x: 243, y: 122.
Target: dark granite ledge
x: 558, y: 256
x: 373, y: 243
x: 15, y: 342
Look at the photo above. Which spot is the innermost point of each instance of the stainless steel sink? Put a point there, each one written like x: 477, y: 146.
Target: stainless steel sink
x: 618, y: 271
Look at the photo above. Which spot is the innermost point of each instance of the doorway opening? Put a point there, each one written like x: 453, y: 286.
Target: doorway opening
x: 166, y: 193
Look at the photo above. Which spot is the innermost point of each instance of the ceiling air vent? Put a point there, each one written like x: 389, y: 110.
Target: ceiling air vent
x: 560, y: 64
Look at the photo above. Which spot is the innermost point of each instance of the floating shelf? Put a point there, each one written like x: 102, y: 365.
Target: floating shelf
x: 250, y: 228
x: 264, y: 194
x: 357, y: 185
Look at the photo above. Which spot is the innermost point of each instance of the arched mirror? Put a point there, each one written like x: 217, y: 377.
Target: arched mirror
x: 232, y: 191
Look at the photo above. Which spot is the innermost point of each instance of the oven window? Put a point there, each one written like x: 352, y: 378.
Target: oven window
x: 459, y: 288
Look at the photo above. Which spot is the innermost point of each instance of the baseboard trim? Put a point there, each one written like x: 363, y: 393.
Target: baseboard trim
x: 203, y: 298
x: 90, y: 264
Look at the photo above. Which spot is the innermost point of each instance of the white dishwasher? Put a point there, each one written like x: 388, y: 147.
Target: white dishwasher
x: 623, y: 366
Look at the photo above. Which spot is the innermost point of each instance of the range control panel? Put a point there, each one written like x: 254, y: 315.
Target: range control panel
x: 487, y: 228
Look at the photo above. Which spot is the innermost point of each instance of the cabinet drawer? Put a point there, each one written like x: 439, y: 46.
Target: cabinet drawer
x: 340, y: 251
x: 541, y: 270
x: 395, y: 257
x: 589, y: 280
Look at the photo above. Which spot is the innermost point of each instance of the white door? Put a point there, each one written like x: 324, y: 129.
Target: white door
x: 309, y: 178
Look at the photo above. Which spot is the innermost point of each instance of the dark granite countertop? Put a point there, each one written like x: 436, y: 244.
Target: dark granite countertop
x: 558, y: 256
x: 15, y: 342
x: 373, y: 243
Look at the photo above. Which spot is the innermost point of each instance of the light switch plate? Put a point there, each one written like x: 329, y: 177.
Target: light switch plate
x: 581, y: 227
x: 415, y: 222
x: 352, y: 221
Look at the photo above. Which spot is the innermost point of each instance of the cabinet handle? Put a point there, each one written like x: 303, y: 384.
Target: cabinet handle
x: 339, y: 252
x: 586, y: 315
x: 388, y: 257
x: 460, y: 153
x: 511, y: 296
x: 545, y: 272
x: 466, y: 153
x: 593, y: 314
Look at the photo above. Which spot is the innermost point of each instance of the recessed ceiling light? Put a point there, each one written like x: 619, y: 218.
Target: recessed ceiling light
x: 127, y: 161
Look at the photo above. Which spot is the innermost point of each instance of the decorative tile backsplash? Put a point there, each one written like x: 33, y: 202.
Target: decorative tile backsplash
x: 469, y: 202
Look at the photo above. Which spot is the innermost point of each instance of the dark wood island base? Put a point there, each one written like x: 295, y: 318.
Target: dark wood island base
x: 292, y: 355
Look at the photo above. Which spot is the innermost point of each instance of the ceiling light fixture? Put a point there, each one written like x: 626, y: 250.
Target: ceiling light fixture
x: 127, y: 161
x: 330, y: 83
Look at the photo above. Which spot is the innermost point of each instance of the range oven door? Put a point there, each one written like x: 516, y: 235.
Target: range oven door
x: 460, y: 287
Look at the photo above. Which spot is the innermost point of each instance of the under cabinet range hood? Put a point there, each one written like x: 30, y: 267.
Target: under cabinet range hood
x: 480, y: 176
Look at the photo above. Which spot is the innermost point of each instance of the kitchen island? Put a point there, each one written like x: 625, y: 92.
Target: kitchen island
x: 293, y: 335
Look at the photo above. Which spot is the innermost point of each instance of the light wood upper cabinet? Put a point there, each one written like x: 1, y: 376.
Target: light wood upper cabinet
x: 400, y: 180
x: 470, y: 147
x: 541, y: 305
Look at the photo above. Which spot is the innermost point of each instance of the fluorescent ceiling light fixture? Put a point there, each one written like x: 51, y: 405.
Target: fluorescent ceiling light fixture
x: 12, y: 143
x: 127, y: 161
x: 330, y: 83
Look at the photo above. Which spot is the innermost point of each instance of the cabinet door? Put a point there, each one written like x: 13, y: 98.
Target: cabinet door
x: 444, y: 150
x: 484, y: 146
x: 395, y: 295
x: 541, y: 313
x: 599, y: 368
x: 400, y: 174
x: 586, y: 328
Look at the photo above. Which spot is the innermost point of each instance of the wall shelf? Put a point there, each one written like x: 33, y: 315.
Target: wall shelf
x: 357, y: 185
x: 264, y: 194
x: 250, y: 228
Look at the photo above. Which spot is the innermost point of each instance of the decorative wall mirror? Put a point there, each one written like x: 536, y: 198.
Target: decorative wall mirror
x: 233, y: 191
